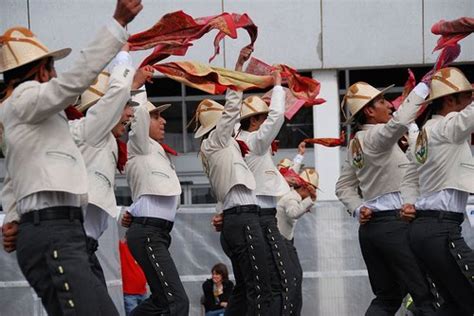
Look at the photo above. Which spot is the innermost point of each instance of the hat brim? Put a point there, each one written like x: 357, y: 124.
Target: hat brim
x: 201, y: 131
x: 253, y: 114
x: 430, y: 100
x: 56, y: 55
x: 351, y: 118
x: 160, y: 108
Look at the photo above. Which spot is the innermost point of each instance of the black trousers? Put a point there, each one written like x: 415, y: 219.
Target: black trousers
x: 96, y: 268
x: 280, y: 265
x: 392, y: 266
x: 243, y: 242
x: 297, y: 299
x: 53, y: 258
x: 439, y: 245
x: 149, y: 243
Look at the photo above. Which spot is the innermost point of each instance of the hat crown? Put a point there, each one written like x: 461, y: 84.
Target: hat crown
x: 253, y: 105
x: 448, y: 81
x: 19, y: 46
x: 209, y: 112
x: 285, y: 163
x: 94, y: 92
x: 311, y: 176
x: 359, y: 95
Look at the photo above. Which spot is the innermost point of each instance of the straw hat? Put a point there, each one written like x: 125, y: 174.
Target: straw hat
x: 251, y: 106
x: 97, y: 90
x: 447, y: 81
x: 359, y: 95
x: 152, y: 108
x: 19, y: 46
x: 311, y: 176
x: 208, y: 113
x: 284, y: 163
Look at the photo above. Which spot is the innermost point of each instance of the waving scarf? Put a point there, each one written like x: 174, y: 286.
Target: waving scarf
x: 328, y: 142
x: 174, y: 33
x: 452, y: 31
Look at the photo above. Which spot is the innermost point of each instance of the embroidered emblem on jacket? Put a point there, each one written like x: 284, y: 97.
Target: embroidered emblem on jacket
x: 421, y: 148
x: 357, y: 154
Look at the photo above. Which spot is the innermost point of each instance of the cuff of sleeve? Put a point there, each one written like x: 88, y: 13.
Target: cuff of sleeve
x: 356, y: 212
x: 422, y: 90
x: 117, y: 30
x: 278, y: 88
x: 298, y: 159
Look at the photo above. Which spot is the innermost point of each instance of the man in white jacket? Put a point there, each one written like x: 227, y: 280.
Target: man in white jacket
x: 233, y: 183
x: 292, y: 206
x: 260, y: 125
x: 48, y: 174
x: 444, y: 178
x: 156, y: 192
x: 375, y: 167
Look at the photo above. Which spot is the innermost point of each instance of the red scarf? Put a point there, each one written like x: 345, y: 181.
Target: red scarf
x: 328, y: 142
x: 452, y: 31
x: 72, y: 113
x: 244, y: 149
x: 169, y: 150
x: 275, y: 145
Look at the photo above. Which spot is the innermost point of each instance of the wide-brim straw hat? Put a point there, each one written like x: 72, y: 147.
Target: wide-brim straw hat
x: 251, y: 106
x: 447, y: 81
x: 97, y: 90
x: 208, y: 113
x: 285, y: 163
x: 310, y: 176
x: 153, y: 109
x: 359, y: 95
x: 19, y: 46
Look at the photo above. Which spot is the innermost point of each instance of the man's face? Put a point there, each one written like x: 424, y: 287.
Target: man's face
x: 380, y: 111
x: 120, y: 128
x: 157, y: 127
x: 463, y: 99
x: 257, y: 120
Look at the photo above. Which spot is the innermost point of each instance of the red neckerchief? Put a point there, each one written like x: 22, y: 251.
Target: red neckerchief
x: 169, y: 150
x: 122, y: 155
x: 244, y: 149
x: 275, y: 145
x: 72, y: 113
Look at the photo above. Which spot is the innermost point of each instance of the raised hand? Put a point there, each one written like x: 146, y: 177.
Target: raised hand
x: 127, y: 10
x: 142, y: 75
x: 244, y: 55
x: 276, y: 77
x: 301, y: 148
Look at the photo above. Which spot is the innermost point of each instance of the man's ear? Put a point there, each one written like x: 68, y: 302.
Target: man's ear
x: 368, y: 111
x: 43, y: 74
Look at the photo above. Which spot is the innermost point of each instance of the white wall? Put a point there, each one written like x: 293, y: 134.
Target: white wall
x: 307, y: 34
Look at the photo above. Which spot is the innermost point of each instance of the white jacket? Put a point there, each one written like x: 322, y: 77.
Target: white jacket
x: 96, y: 142
x: 149, y: 168
x: 376, y: 167
x: 290, y: 208
x: 220, y: 153
x: 41, y: 154
x: 269, y: 180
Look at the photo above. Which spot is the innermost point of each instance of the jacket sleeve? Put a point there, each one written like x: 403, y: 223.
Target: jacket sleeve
x: 383, y: 136
x: 410, y: 186
x: 346, y: 188
x: 9, y: 202
x: 220, y: 138
x: 457, y: 127
x: 105, y: 114
x: 297, y: 162
x: 33, y: 101
x: 138, y: 138
x: 294, y: 209
x: 259, y: 141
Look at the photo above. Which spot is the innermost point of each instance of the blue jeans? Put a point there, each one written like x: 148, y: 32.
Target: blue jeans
x: 131, y: 301
x: 219, y: 312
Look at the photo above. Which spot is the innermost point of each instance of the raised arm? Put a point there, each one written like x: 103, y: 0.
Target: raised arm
x: 295, y: 209
x: 138, y: 138
x: 106, y: 113
x: 259, y: 142
x: 383, y: 136
x: 34, y: 101
x: 458, y: 127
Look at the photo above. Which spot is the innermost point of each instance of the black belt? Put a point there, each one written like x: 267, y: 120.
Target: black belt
x: 440, y: 215
x: 153, y: 221
x: 251, y: 208
x: 267, y: 211
x: 52, y: 213
x: 393, y: 213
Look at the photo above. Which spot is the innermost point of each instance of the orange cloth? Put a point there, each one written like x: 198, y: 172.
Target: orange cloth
x: 174, y: 33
